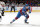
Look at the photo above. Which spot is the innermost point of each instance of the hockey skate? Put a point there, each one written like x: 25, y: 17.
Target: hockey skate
x: 27, y: 22
x: 11, y: 22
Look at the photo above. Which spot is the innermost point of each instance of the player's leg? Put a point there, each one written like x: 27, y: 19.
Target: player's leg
x: 27, y: 16
x: 2, y: 12
x: 18, y: 16
x: 11, y: 9
x: 0, y: 18
x: 14, y: 8
x: 14, y: 19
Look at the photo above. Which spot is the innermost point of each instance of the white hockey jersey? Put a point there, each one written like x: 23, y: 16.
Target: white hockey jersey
x: 1, y: 8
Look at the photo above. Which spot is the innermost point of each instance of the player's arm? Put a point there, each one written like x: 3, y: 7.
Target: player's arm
x: 24, y: 11
x: 29, y: 9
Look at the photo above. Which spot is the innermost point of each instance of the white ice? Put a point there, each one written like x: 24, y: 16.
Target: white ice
x: 34, y: 20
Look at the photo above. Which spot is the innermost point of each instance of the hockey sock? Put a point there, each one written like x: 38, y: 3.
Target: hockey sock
x: 25, y: 20
x: 13, y: 20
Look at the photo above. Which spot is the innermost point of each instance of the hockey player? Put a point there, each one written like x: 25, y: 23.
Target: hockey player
x: 23, y: 12
x: 2, y: 4
x: 1, y: 8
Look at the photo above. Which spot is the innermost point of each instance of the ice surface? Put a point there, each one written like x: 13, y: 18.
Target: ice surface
x: 17, y: 25
x: 34, y: 20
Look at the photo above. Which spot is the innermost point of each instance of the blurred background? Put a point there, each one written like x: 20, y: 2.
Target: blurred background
x: 35, y: 4
x: 22, y: 2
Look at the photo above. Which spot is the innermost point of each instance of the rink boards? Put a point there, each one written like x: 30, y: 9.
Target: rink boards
x: 34, y: 9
